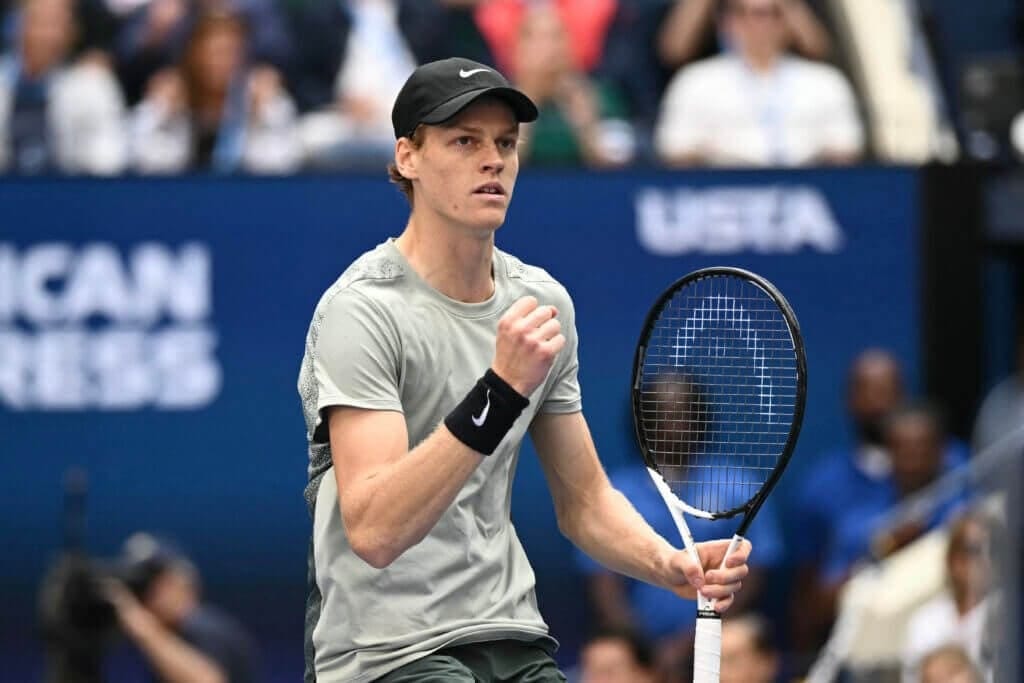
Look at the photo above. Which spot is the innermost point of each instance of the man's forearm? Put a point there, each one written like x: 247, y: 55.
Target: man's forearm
x: 396, y: 507
x: 611, y: 531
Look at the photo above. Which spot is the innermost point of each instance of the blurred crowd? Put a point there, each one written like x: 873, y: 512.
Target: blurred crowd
x: 277, y: 86
x: 848, y: 510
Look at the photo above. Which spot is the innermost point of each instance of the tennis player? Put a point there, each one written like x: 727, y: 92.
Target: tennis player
x: 426, y: 364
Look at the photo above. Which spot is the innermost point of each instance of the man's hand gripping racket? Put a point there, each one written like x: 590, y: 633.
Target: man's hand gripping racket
x: 719, y: 385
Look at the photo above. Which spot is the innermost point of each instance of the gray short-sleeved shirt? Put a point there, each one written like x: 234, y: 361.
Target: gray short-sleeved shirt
x: 382, y: 339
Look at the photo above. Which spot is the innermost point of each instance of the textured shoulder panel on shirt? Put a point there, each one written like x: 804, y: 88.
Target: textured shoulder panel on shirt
x: 373, y: 265
x: 518, y: 270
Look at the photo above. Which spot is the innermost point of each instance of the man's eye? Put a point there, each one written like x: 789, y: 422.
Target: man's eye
x: 463, y: 141
x: 508, y: 143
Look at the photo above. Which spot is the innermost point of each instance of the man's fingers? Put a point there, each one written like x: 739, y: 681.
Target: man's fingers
x: 720, y: 591
x: 549, y: 329
x: 553, y: 345
x: 739, y: 556
x: 712, y: 552
x: 539, y: 316
x: 692, y: 570
x: 521, y: 307
x: 723, y: 604
x: 728, y: 575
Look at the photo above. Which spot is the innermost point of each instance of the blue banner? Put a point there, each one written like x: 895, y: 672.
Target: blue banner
x: 151, y: 332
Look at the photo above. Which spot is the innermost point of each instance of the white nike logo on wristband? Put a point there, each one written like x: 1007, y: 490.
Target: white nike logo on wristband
x: 479, y: 421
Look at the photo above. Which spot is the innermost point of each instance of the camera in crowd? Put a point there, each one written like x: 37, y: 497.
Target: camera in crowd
x: 77, y: 618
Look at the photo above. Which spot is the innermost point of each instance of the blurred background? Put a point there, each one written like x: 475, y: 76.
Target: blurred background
x: 183, y: 178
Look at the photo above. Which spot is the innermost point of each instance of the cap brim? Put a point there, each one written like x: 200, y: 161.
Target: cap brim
x: 523, y: 107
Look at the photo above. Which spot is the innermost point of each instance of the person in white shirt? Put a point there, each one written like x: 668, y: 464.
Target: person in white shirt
x: 214, y: 111
x: 960, y: 615
x: 57, y: 115
x: 356, y: 130
x: 757, y: 105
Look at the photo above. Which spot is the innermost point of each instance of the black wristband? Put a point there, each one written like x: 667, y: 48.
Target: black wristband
x: 484, y: 417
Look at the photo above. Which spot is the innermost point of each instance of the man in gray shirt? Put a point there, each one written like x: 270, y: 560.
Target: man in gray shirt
x: 426, y: 364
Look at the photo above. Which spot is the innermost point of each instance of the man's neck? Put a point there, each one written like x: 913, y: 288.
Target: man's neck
x: 966, y: 601
x: 452, y: 260
x: 762, y: 63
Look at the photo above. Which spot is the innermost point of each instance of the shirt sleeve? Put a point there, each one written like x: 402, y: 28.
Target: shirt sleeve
x: 358, y: 356
x: 564, y: 393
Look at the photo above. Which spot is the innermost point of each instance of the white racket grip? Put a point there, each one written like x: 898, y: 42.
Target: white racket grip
x: 707, y: 649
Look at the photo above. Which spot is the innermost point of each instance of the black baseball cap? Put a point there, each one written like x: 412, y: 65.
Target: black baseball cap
x: 439, y: 90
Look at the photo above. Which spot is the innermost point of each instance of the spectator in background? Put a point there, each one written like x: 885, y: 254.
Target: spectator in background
x: 961, y: 615
x: 55, y: 115
x: 688, y: 32
x: 430, y: 30
x: 630, y: 63
x: 749, y: 654
x: 1002, y: 411
x: 758, y: 105
x: 159, y: 609
x: 585, y: 24
x: 355, y: 129
x: 914, y: 439
x: 838, y: 480
x: 155, y: 35
x: 580, y: 122
x: 96, y: 27
x: 616, y: 656
x: 214, y: 111
x: 949, y: 664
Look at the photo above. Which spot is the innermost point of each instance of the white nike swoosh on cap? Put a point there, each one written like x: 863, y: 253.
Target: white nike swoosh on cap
x: 466, y: 74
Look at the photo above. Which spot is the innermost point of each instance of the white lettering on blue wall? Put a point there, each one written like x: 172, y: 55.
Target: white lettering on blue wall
x: 97, y: 327
x: 726, y: 220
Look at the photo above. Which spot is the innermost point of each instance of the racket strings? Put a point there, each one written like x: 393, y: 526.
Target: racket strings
x: 718, y: 391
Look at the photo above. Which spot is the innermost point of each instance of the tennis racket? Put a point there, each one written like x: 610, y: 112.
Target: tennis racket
x: 719, y: 384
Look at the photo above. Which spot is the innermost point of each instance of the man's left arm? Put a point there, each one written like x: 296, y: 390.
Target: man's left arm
x: 602, y: 522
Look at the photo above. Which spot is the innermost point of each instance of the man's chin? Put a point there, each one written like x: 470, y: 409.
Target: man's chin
x: 489, y: 223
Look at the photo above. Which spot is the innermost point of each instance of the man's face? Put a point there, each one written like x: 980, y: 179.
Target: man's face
x: 946, y: 670
x: 171, y: 596
x: 756, y: 26
x: 465, y: 170
x: 741, y: 661
x: 610, y: 661
x: 47, y: 32
x: 915, y: 447
x: 875, y: 389
x: 217, y: 56
x: 969, y: 559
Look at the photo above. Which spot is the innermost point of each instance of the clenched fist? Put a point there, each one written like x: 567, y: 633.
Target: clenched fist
x: 529, y: 339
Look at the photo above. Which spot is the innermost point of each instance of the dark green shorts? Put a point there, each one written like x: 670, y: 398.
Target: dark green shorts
x: 509, y: 661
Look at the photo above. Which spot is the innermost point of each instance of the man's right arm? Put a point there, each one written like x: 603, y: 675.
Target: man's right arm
x: 391, y: 497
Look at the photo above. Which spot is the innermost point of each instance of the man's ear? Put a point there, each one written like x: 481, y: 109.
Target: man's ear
x: 406, y: 157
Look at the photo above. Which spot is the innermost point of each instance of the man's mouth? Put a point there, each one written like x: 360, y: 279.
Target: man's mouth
x: 490, y: 188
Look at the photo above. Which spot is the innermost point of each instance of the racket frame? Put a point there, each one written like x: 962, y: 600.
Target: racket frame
x: 751, y: 506
x: 708, y: 636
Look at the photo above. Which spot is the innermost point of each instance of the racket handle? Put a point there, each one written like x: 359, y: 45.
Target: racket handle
x: 707, y: 647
